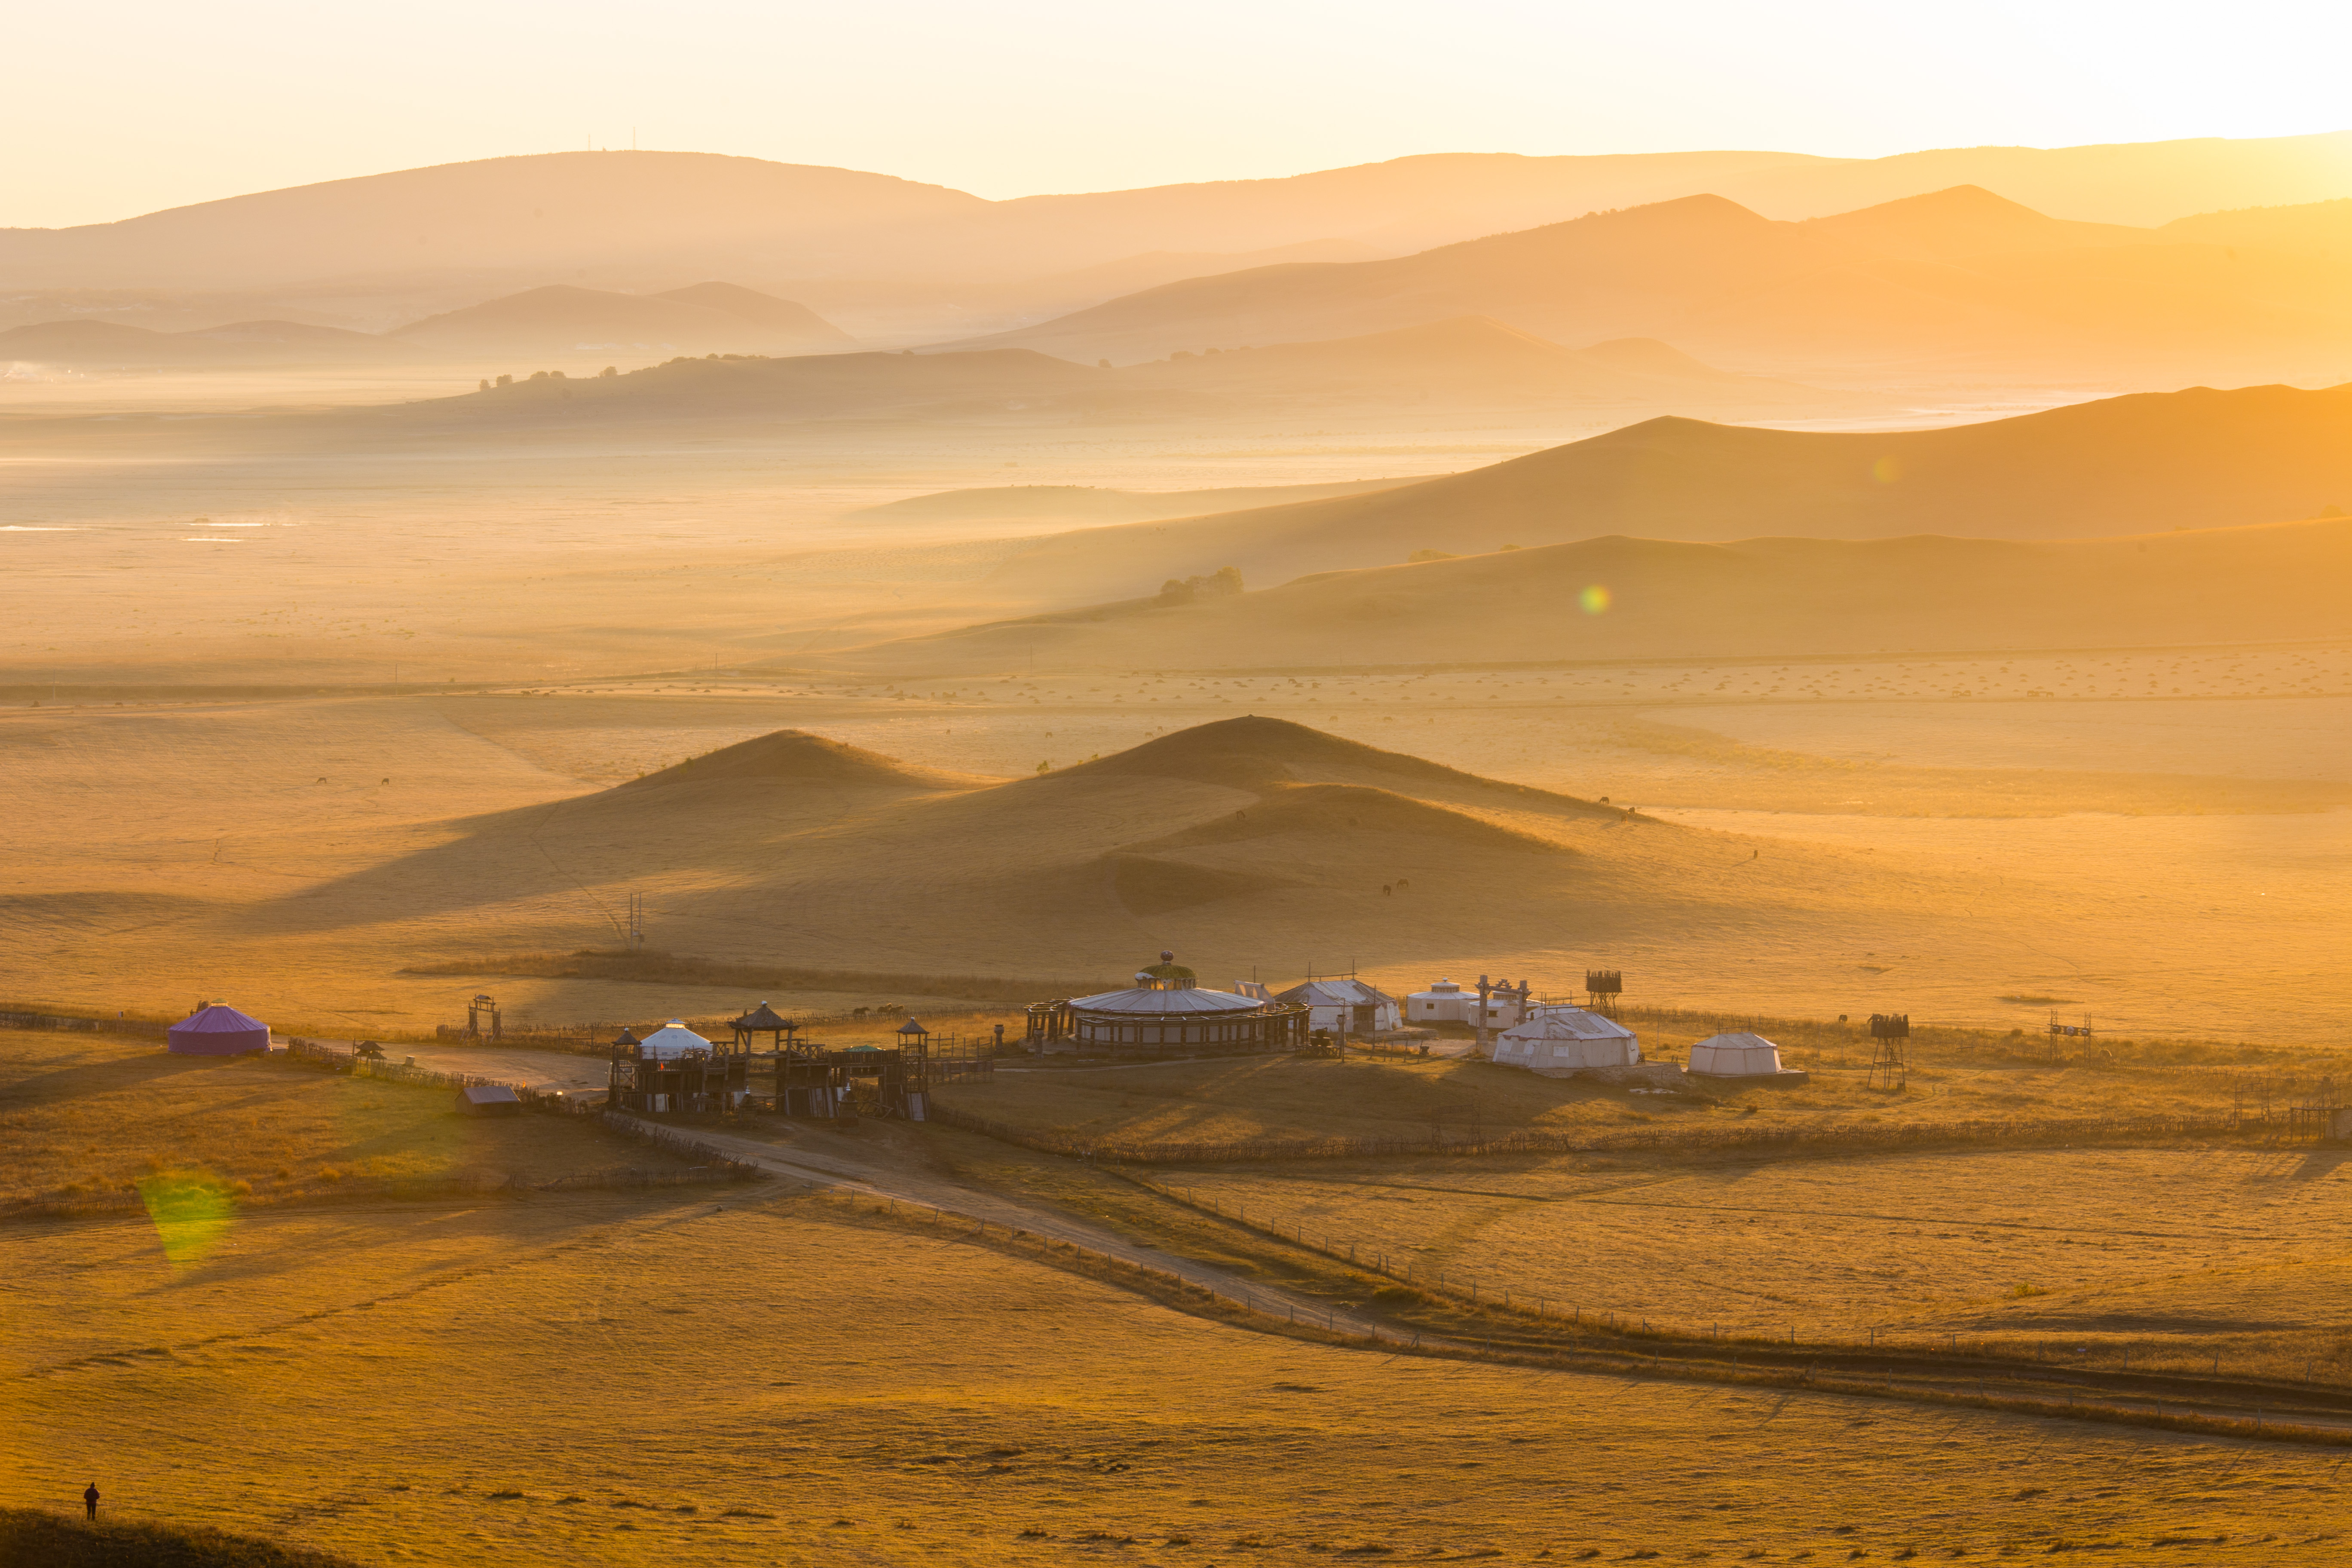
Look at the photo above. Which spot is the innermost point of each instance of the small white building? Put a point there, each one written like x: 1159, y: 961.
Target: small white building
x: 1558, y: 1041
x: 1348, y: 1006
x: 1739, y: 1055
x: 1447, y: 1003
x: 1442, y: 1002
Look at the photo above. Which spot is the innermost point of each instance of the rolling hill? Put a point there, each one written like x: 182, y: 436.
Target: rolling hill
x: 1465, y: 369
x: 1954, y: 279
x: 1754, y: 598
x: 564, y: 321
x: 2197, y: 458
x: 1225, y: 841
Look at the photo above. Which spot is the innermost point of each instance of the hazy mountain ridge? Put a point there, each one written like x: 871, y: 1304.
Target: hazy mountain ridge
x: 711, y: 213
x: 1958, y: 278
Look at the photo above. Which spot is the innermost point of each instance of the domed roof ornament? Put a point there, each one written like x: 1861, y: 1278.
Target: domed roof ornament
x: 1166, y: 975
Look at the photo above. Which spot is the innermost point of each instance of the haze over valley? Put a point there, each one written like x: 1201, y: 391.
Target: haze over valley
x: 1207, y: 773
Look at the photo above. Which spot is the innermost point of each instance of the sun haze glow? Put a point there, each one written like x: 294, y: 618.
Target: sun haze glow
x: 198, y: 104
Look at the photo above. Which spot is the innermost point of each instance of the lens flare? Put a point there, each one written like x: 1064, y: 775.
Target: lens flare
x: 1594, y: 599
x: 1886, y: 471
x: 191, y: 1210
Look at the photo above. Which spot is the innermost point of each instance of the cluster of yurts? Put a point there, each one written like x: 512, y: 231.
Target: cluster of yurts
x: 1167, y: 1007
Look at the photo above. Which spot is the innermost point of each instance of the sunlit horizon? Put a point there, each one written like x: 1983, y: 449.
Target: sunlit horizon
x: 929, y: 92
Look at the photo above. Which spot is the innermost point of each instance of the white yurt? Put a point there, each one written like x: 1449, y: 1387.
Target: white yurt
x: 1738, y: 1055
x: 673, y: 1040
x: 1558, y: 1041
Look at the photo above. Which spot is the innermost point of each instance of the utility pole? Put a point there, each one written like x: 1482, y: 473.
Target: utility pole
x: 1486, y: 989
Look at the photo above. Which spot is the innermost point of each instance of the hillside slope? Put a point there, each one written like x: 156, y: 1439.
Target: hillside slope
x: 2197, y: 458
x: 1073, y: 505
x: 1635, y: 598
x: 1223, y: 841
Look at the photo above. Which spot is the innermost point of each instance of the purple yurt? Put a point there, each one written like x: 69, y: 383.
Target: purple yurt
x: 218, y: 1031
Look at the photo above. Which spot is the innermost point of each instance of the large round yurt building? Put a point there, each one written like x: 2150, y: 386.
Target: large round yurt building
x: 1167, y: 1010
x: 217, y: 1031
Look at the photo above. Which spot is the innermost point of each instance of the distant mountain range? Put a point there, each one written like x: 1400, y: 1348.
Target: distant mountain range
x: 557, y: 322
x: 1956, y: 280
x: 589, y: 217
x: 561, y: 321
x: 118, y: 345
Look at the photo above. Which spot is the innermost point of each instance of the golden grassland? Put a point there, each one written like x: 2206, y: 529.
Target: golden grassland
x: 89, y: 1121
x: 2009, y: 1208
x: 2188, y: 1260
x: 607, y: 1379
x: 1962, y: 1083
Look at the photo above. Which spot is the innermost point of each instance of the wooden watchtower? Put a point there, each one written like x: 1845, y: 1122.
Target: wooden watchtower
x: 1601, y: 989
x: 1890, y: 1062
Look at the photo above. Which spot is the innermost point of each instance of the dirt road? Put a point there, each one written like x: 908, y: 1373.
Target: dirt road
x: 854, y: 1168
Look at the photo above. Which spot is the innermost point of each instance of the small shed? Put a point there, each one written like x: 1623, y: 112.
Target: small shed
x: 1559, y: 1042
x: 1348, y: 1006
x: 217, y: 1031
x: 1741, y: 1055
x: 488, y: 1100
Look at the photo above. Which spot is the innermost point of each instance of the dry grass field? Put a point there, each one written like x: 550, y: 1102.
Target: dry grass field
x: 2172, y: 1257
x: 605, y: 1380
x: 98, y: 1120
x: 1960, y: 1085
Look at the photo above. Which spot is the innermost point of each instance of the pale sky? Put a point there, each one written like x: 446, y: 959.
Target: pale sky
x: 117, y: 107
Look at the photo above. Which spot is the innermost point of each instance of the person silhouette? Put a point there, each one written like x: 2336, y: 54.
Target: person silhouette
x: 89, y: 1500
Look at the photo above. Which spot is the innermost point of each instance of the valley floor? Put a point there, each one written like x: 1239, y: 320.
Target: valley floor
x: 606, y: 1381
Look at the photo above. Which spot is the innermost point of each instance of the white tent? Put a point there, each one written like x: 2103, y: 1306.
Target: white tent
x: 1558, y: 1041
x: 1736, y: 1056
x: 673, y: 1040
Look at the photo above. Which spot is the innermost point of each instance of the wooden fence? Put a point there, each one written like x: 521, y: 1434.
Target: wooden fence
x: 146, y: 1026
x: 314, y: 1054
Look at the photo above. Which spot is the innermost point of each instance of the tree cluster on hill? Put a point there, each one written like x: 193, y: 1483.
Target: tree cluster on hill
x: 1216, y: 584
